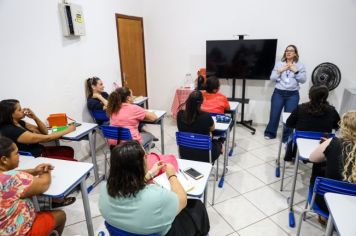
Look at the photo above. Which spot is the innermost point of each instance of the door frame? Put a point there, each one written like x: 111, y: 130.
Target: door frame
x: 117, y: 16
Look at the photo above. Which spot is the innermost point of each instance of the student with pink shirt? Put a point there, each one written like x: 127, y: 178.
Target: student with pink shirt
x: 124, y: 113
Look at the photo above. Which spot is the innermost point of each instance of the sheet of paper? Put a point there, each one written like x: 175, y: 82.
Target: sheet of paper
x: 162, y: 180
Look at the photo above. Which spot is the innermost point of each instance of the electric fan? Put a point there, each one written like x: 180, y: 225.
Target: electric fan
x: 326, y: 74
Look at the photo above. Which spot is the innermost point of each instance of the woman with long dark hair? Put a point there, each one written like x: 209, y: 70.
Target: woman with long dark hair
x: 97, y: 98
x: 193, y: 120
x: 130, y: 202
x: 122, y: 112
x: 29, y: 136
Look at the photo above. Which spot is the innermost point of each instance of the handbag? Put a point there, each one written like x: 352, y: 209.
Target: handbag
x: 152, y: 158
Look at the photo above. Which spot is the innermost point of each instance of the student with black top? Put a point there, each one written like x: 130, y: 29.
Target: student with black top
x: 97, y: 98
x: 339, y: 154
x: 316, y: 115
x: 28, y: 136
x: 193, y: 120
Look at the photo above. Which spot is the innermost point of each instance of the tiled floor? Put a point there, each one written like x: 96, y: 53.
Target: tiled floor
x: 250, y: 202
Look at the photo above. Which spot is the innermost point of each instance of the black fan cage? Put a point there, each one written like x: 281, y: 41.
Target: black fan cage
x: 326, y: 74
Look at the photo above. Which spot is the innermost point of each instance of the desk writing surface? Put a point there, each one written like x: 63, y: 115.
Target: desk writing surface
x: 221, y: 126
x: 159, y: 113
x: 64, y: 176
x: 80, y: 130
x: 139, y: 100
x: 285, y: 116
x: 202, y: 167
x: 307, y: 146
x: 342, y: 208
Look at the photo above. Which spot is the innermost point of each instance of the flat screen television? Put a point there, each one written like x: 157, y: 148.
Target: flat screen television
x: 241, y: 59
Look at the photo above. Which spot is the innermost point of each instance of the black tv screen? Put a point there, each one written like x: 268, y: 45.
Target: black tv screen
x: 241, y: 59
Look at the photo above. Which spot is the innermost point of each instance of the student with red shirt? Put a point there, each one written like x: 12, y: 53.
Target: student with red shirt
x: 18, y: 215
x: 124, y: 113
x: 214, y: 102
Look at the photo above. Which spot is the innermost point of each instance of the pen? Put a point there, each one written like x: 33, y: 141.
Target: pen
x: 183, y: 174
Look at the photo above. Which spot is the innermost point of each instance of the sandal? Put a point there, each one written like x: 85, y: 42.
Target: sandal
x: 66, y: 202
x: 322, y: 220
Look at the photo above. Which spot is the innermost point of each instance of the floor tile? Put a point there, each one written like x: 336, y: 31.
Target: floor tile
x: 266, y: 173
x: 239, y: 212
x: 267, y: 200
x: 247, y: 160
x: 243, y: 181
x: 221, y: 194
x: 248, y: 143
x: 263, y: 228
x: 81, y: 228
x: 264, y: 153
x: 218, y: 226
x: 301, y: 190
x: 281, y: 219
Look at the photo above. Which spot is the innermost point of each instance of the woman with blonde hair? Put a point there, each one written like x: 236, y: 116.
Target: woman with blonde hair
x: 339, y: 154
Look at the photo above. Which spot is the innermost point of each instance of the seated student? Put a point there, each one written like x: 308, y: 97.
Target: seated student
x: 18, y: 215
x: 124, y: 113
x: 193, y: 120
x: 339, y: 154
x: 97, y: 99
x: 214, y: 102
x: 28, y: 136
x: 316, y: 115
x: 129, y: 201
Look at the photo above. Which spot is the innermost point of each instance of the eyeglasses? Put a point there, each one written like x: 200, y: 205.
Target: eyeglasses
x: 291, y: 50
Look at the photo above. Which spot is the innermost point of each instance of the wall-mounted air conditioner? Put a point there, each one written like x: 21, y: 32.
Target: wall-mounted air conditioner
x: 72, y: 19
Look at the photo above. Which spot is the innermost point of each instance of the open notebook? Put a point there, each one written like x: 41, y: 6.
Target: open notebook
x: 162, y: 180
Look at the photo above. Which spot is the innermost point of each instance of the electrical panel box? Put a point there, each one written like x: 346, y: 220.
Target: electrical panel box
x: 72, y: 19
x: 348, y: 101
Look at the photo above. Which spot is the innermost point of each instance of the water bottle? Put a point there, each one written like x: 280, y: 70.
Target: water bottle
x: 188, y: 83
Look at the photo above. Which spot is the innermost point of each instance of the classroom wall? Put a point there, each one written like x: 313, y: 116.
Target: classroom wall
x: 45, y: 70
x: 175, y: 35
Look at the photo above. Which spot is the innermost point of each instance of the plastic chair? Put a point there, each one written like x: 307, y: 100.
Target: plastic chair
x: 113, y: 231
x: 23, y: 153
x: 322, y: 186
x: 115, y: 133
x: 305, y: 135
x: 201, y: 142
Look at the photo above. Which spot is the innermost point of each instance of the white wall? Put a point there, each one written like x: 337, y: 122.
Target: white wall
x: 176, y: 31
x: 46, y: 71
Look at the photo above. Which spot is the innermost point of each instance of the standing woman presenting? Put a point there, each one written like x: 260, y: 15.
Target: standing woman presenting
x: 288, y: 74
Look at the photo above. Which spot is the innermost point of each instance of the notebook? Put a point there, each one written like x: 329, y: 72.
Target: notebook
x: 162, y: 180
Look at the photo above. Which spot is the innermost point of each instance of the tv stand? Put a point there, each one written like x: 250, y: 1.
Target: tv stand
x: 243, y: 101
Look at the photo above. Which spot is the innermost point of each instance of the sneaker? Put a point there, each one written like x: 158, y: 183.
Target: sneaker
x: 267, y: 137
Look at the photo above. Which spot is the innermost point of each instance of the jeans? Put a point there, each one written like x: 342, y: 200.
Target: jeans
x: 281, y: 98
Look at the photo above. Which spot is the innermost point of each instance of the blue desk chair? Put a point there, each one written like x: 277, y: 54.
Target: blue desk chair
x: 23, y: 153
x: 322, y: 186
x: 113, y: 231
x: 201, y: 142
x: 305, y: 135
x: 116, y: 133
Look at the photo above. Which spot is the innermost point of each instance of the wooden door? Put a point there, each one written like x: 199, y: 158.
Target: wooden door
x: 132, y: 53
